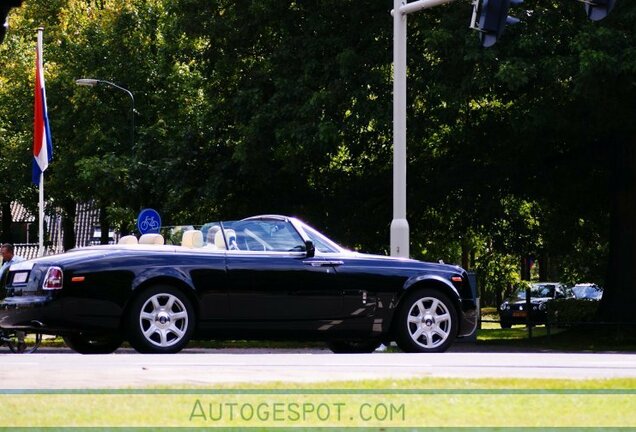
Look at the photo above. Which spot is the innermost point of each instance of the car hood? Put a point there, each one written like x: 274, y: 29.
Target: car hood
x: 403, y: 262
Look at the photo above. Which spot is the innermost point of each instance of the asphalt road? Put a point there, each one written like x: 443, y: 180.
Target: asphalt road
x: 58, y: 369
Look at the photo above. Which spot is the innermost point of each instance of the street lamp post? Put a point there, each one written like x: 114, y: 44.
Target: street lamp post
x: 399, y: 224
x: 90, y: 82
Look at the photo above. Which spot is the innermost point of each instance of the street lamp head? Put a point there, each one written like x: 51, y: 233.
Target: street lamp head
x: 88, y: 82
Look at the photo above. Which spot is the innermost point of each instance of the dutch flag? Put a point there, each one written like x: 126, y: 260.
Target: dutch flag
x: 42, y: 143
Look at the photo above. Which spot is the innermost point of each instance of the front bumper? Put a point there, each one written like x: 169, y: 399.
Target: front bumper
x: 469, y: 319
x: 521, y: 317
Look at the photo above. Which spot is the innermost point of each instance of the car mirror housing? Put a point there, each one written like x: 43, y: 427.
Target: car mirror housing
x: 310, y: 248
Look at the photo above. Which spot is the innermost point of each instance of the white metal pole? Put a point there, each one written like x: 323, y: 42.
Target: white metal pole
x: 399, y: 224
x: 41, y: 188
x: 41, y: 217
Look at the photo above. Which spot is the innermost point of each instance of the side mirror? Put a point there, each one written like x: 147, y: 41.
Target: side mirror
x: 310, y: 248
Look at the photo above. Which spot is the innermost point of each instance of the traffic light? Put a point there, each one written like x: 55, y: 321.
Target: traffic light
x: 493, y: 17
x: 5, y: 7
x: 598, y: 9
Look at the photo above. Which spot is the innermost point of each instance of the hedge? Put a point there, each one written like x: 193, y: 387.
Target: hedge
x: 564, y: 312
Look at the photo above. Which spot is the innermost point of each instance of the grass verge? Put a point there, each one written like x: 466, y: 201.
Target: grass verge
x: 413, y: 403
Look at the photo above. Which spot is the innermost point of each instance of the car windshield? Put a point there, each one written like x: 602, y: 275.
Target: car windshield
x: 322, y: 243
x: 587, y: 292
x: 537, y: 290
x: 262, y: 235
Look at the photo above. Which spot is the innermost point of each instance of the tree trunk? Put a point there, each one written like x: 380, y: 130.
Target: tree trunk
x: 619, y: 296
x: 544, y: 268
x: 525, y: 269
x: 68, y: 225
x: 465, y: 254
x: 103, y: 224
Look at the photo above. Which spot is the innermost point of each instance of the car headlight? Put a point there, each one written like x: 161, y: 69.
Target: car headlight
x: 504, y: 306
x: 543, y: 306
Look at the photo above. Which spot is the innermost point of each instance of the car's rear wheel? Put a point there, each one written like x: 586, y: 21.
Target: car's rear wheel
x: 93, y: 344
x: 353, y: 347
x: 160, y: 320
x: 426, y: 322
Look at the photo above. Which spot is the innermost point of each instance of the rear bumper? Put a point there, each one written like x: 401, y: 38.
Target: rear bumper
x: 28, y: 312
x: 49, y: 315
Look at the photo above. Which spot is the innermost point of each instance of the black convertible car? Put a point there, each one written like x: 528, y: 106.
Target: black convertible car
x: 265, y: 277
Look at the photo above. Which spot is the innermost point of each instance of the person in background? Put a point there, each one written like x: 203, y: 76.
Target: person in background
x: 8, y: 257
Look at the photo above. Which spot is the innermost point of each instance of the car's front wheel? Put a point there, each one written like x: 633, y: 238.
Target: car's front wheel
x: 160, y: 320
x: 426, y: 322
x: 93, y: 344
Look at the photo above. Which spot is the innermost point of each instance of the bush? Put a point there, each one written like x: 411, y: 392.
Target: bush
x: 566, y: 312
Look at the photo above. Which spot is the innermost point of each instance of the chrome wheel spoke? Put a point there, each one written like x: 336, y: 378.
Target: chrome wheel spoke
x: 428, y: 339
x: 417, y: 333
x: 170, y: 303
x: 177, y: 331
x: 155, y: 303
x: 434, y: 306
x: 150, y: 331
x: 179, y: 315
x: 442, y: 318
x: 415, y: 319
x: 420, y: 306
x: 147, y: 316
x: 441, y: 333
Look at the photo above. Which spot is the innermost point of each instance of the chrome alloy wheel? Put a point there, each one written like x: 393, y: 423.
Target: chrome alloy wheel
x: 163, y: 320
x: 429, y: 322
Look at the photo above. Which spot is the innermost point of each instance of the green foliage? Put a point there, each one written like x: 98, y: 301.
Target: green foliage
x: 497, y: 274
x: 284, y: 107
x: 570, y: 312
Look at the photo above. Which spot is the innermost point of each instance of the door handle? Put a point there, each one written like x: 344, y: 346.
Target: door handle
x: 323, y: 263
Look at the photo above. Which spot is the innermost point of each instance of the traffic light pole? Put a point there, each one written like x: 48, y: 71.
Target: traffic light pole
x: 399, y: 224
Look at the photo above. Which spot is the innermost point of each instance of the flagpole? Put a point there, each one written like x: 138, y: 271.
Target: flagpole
x: 41, y: 186
x: 41, y: 217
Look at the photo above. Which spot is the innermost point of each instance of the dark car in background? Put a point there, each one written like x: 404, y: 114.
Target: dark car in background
x: 264, y: 277
x: 514, y: 309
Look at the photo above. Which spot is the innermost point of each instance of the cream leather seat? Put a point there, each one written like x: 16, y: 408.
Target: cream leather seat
x: 218, y: 241
x: 192, y: 239
x: 128, y: 239
x: 154, y: 239
x: 230, y: 234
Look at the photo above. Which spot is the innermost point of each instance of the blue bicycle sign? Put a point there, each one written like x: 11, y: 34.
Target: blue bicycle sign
x: 148, y: 221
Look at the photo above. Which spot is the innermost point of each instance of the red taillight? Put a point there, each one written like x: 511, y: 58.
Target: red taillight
x: 456, y: 279
x: 53, y: 279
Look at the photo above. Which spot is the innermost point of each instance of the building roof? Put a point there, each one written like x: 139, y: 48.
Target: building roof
x: 19, y: 213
